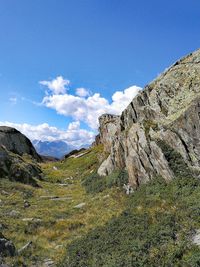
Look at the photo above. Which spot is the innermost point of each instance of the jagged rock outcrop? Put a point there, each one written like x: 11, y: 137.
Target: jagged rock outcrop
x: 18, y: 158
x: 109, y: 126
x: 97, y: 141
x: 168, y: 109
x: 16, y: 142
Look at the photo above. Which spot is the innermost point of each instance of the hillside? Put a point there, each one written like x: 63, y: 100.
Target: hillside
x: 96, y: 223
x: 131, y: 200
x: 58, y: 212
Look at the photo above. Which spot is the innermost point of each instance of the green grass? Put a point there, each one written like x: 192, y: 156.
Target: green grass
x: 152, y: 227
x: 55, y: 223
x: 154, y: 230
x: 95, y: 184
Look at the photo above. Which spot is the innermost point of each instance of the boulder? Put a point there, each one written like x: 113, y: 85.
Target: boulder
x: 16, y: 168
x: 7, y: 247
x: 16, y: 142
x: 18, y: 158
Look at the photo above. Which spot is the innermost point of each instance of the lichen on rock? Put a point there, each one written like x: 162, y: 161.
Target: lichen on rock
x: 168, y: 109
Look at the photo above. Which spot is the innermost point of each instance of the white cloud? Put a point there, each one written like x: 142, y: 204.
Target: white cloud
x: 56, y: 86
x: 82, y: 92
x: 87, y: 108
x: 13, y: 100
x: 75, y: 125
x: 121, y: 99
x: 73, y: 135
x: 83, y: 106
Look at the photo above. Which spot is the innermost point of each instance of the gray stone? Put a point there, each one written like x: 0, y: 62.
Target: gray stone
x: 106, y: 167
x: 168, y: 109
x: 79, y: 206
x: 14, y: 213
x: 7, y: 247
x: 196, y: 238
x: 15, y: 168
x: 16, y: 142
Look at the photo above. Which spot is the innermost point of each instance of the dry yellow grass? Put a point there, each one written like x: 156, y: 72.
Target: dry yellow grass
x: 53, y: 223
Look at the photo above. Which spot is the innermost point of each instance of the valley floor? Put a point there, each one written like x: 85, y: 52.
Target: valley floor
x: 57, y: 213
x: 76, y: 219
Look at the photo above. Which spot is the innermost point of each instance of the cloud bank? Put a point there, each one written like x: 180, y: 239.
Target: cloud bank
x: 73, y: 135
x: 83, y: 106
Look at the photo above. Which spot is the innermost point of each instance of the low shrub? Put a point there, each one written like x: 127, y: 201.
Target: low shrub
x: 95, y: 183
x: 155, y: 230
x: 175, y: 160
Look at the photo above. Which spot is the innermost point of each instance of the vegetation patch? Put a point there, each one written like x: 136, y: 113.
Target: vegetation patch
x: 155, y: 230
x: 50, y: 220
x: 95, y: 183
x: 175, y: 161
x: 150, y: 124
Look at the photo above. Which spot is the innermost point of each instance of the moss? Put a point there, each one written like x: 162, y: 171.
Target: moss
x: 149, y: 124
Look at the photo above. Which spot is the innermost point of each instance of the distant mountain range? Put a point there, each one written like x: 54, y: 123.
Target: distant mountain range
x: 55, y: 149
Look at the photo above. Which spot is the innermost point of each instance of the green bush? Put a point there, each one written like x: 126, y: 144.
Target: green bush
x: 95, y: 183
x: 155, y: 230
x: 175, y: 160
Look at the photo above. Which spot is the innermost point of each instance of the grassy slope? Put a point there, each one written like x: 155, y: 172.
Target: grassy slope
x: 155, y: 230
x: 153, y: 227
x: 56, y: 223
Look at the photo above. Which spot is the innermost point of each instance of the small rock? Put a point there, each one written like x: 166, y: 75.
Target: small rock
x: 129, y: 190
x: 26, y: 204
x: 14, y: 214
x: 196, y: 238
x: 5, y: 193
x: 27, y: 219
x: 106, y: 196
x: 79, y: 206
x: 48, y: 262
x: 61, y: 198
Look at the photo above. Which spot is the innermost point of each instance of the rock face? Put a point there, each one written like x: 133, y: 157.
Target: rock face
x: 16, y: 142
x: 18, y: 158
x: 167, y: 110
x: 109, y: 125
x: 16, y: 168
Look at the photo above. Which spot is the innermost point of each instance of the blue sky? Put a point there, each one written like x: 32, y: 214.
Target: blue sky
x: 103, y: 46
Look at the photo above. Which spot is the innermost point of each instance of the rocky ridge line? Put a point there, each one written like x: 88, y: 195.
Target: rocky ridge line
x: 165, y: 113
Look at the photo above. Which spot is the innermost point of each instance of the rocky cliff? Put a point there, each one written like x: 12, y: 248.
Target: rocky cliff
x: 18, y: 158
x: 16, y: 142
x: 163, y: 117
